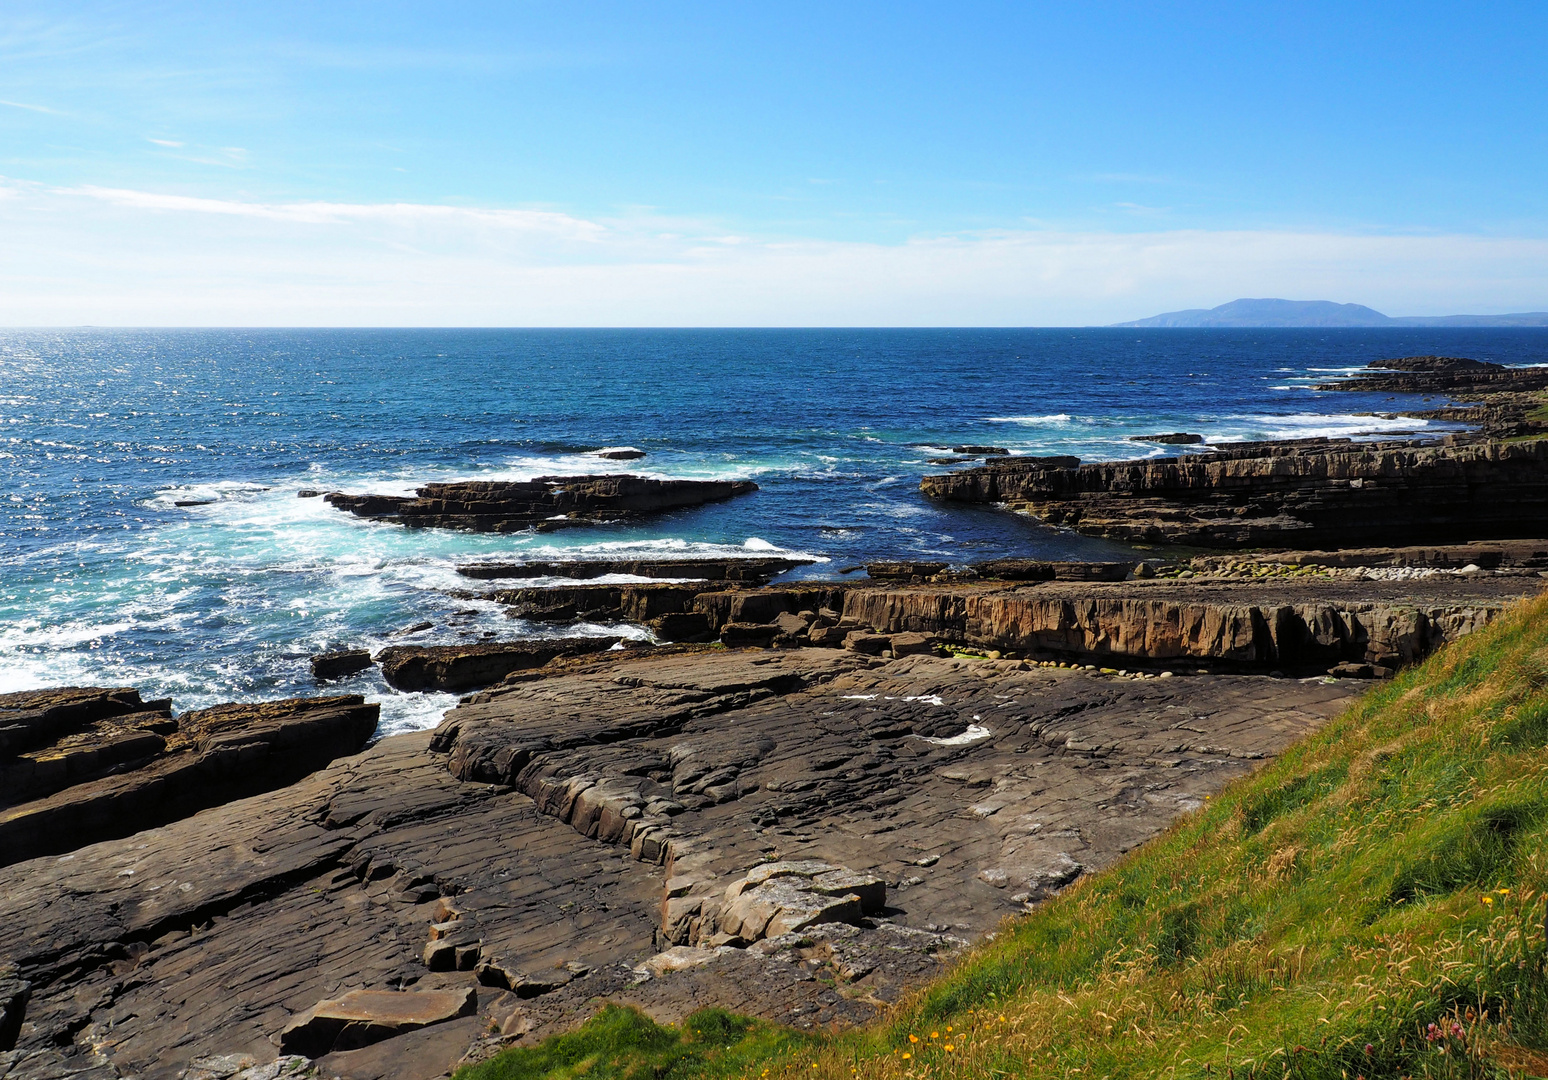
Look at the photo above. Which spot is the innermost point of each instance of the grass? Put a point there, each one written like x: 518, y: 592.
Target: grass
x: 622, y: 1044
x: 1369, y: 905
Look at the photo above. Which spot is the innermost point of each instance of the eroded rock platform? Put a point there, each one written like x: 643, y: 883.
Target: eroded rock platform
x: 797, y: 834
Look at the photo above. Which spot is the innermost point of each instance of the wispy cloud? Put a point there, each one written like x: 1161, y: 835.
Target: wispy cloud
x: 30, y: 108
x: 121, y: 256
x: 165, y: 142
x: 334, y: 213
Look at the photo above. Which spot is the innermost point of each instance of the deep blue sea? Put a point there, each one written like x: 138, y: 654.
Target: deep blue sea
x: 105, y: 581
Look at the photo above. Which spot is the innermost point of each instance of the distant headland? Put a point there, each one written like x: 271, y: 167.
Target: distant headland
x: 1320, y: 313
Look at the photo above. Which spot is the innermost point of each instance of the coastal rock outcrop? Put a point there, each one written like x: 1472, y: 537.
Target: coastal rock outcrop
x: 1171, y: 438
x: 757, y: 571
x: 1442, y: 375
x: 340, y: 664
x: 1293, y: 628
x: 604, y: 833
x: 1087, y: 612
x: 1318, y: 493
x: 599, y: 603
x: 462, y: 667
x: 549, y: 502
x: 86, y: 764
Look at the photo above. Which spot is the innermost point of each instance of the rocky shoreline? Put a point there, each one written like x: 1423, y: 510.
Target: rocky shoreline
x: 1311, y: 493
x: 796, y: 800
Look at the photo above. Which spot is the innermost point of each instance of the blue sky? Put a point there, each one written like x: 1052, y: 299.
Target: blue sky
x: 686, y: 164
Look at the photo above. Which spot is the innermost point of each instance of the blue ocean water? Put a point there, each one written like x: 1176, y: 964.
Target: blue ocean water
x: 105, y: 580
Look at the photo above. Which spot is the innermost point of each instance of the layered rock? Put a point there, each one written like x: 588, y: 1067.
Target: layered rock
x: 812, y: 748
x: 462, y: 667
x: 1080, y: 611
x: 1171, y: 438
x: 340, y: 664
x: 1315, y: 493
x: 549, y: 502
x: 753, y: 571
x: 1298, y: 626
x: 1522, y: 555
x: 563, y: 831
x: 361, y: 1018
x: 1442, y: 375
x: 600, y: 603
x: 785, y: 897
x: 88, y: 764
x: 1498, y: 402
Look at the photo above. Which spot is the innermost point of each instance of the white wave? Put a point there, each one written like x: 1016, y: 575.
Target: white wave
x: 1051, y: 418
x: 411, y: 712
x: 533, y: 549
x: 212, y: 492
x: 1229, y: 429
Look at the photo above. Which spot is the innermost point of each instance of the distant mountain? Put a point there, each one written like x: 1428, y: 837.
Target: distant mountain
x: 1322, y: 313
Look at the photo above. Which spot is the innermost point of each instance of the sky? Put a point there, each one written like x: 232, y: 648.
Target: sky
x: 574, y: 164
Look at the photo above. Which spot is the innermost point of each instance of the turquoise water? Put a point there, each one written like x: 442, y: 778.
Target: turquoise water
x: 104, y: 580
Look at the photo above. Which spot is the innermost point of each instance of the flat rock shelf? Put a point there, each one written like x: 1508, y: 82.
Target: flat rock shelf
x: 797, y: 834
x: 542, y: 505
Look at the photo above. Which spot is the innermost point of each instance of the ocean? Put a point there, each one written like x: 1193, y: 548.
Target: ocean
x: 105, y: 580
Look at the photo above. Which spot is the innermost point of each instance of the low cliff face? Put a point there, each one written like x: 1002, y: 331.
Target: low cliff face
x: 1309, y: 493
x: 1309, y: 634
x: 546, y: 503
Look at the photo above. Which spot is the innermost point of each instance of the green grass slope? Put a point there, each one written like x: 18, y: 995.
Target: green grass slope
x: 1369, y: 905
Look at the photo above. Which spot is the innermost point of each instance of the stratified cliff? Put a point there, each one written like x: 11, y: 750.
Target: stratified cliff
x: 1321, y: 493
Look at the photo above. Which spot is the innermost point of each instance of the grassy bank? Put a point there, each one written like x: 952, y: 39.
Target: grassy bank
x: 1370, y: 905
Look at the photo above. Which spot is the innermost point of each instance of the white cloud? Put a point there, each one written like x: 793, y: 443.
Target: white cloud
x: 29, y: 108
x: 165, y: 142
x: 325, y: 213
x: 114, y: 256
